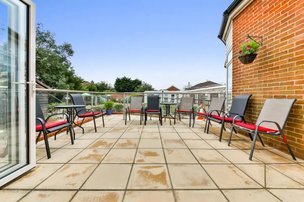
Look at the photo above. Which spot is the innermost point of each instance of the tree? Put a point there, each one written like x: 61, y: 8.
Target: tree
x: 103, y: 86
x: 144, y: 87
x: 126, y: 84
x: 53, y: 64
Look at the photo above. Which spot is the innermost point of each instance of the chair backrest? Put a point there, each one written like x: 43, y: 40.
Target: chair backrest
x: 153, y: 102
x: 77, y: 99
x: 217, y: 104
x: 276, y: 110
x: 39, y: 113
x: 186, y: 103
x: 239, y: 105
x: 136, y: 102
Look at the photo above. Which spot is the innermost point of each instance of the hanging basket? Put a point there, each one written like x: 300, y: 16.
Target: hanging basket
x: 247, y: 59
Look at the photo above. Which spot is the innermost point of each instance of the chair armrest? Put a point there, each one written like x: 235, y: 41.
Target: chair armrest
x: 42, y: 122
x: 267, y: 121
x: 217, y: 111
x: 65, y: 114
x: 235, y: 117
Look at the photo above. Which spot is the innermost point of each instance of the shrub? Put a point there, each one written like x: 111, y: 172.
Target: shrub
x: 118, y: 107
x: 108, y: 105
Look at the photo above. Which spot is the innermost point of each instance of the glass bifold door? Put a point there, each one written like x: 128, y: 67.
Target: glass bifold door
x: 14, y: 88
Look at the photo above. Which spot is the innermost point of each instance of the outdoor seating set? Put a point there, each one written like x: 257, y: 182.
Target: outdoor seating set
x: 78, y: 109
x: 271, y: 121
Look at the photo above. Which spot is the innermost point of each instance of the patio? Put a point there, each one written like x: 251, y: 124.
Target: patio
x: 157, y: 163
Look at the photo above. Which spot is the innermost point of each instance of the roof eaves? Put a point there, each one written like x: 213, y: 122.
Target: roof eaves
x: 226, y: 14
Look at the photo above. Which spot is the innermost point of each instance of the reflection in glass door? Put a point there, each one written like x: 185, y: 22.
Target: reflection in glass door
x: 14, y: 69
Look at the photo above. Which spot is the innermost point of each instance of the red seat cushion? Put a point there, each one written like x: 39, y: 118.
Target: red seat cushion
x: 51, y: 125
x: 184, y: 111
x: 88, y: 114
x: 134, y: 110
x: 251, y: 126
x: 152, y: 110
x: 201, y: 114
x: 227, y: 119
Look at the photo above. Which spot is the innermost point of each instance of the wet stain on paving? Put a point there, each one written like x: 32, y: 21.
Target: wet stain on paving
x: 94, y: 157
x: 149, y: 153
x: 42, y: 195
x: 127, y: 144
x: 149, y: 177
x: 109, y: 197
x: 101, y: 143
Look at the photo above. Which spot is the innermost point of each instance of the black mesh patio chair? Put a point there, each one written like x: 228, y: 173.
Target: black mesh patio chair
x: 215, y: 107
x: 83, y: 113
x: 185, y: 107
x: 238, y: 107
x: 46, y: 126
x: 271, y: 121
x: 135, y: 107
x: 153, y: 107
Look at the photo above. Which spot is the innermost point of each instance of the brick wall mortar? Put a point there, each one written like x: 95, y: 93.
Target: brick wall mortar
x: 278, y: 71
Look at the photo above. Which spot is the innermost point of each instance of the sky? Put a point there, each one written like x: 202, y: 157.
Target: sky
x: 162, y: 42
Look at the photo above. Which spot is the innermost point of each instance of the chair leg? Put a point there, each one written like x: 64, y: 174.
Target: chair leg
x: 190, y: 120
x: 193, y: 120
x: 47, y: 146
x: 161, y: 119
x: 94, y: 124
x: 289, y: 148
x: 179, y: 116
x: 125, y: 116
x: 260, y: 138
x: 174, y: 117
x: 250, y: 136
x: 206, y: 121
x: 253, y: 145
x: 103, y: 124
x: 145, y: 122
x: 38, y: 137
x: 71, y: 134
x: 222, y: 128
x: 230, y: 138
x: 208, y: 125
x: 129, y: 116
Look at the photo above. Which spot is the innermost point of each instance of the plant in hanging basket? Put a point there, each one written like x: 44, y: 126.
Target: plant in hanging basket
x: 248, y: 51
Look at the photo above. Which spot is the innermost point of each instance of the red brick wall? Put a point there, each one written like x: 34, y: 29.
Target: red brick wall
x: 278, y: 71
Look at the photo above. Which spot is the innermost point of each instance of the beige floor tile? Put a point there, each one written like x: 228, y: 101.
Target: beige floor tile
x: 49, y: 196
x: 89, y: 136
x: 199, y: 196
x: 289, y: 195
x: 90, y: 156
x: 120, y: 156
x: 70, y: 176
x: 109, y: 176
x: 209, y: 136
x: 134, y: 129
x: 255, y: 171
x: 79, y: 144
x: 228, y: 176
x: 294, y: 171
x: 238, y: 156
x: 12, y: 195
x: 167, y: 130
x: 189, y: 177
x: 150, y: 156
x: 197, y: 144
x: 150, y: 136
x: 220, y: 145
x: 149, y: 196
x: 208, y: 156
x: 275, y: 179
x: 246, y: 144
x: 150, y: 129
x: 150, y: 143
x: 126, y: 144
x: 110, y: 135
x: 61, y: 156
x: 34, y: 177
x: 173, y: 143
x: 41, y: 153
x: 268, y: 157
x: 54, y: 143
x: 129, y: 135
x: 151, y: 176
x: 183, y: 130
x: 190, y: 136
x: 179, y: 156
x: 98, y: 196
x: 102, y: 143
x: 170, y: 136
x: 250, y: 195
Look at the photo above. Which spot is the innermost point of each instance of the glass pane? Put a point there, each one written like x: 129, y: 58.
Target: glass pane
x: 13, y: 91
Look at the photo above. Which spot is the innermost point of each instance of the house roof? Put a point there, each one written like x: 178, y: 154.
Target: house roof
x: 40, y: 84
x: 173, y: 88
x: 226, y: 14
x: 206, y: 84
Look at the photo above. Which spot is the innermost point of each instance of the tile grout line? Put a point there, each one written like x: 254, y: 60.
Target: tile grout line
x: 132, y: 166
